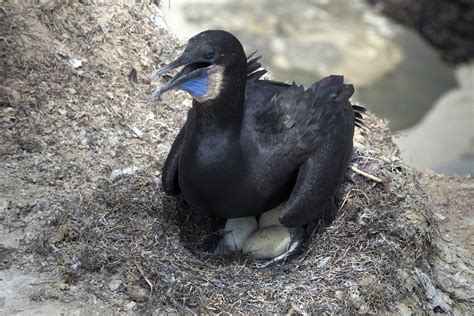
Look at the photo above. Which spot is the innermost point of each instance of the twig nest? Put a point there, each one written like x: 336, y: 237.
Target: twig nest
x: 238, y: 230
x: 268, y: 242
x: 270, y: 218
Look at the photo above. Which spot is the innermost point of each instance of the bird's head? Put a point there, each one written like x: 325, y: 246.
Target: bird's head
x: 206, y: 59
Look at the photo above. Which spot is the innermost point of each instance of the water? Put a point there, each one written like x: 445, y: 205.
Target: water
x: 396, y: 74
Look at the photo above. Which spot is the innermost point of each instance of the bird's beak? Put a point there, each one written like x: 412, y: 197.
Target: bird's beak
x: 192, y: 69
x: 174, y: 64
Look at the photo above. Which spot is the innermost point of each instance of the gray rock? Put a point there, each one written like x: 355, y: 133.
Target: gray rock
x: 137, y: 293
x: 130, y: 305
x: 404, y: 309
x: 437, y: 298
x: 114, y: 285
x: 268, y: 242
x: 75, y: 63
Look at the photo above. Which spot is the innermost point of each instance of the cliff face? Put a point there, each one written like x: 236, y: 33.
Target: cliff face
x: 84, y: 222
x: 448, y: 25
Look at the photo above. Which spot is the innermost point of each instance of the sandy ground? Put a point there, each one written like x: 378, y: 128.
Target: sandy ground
x: 453, y: 197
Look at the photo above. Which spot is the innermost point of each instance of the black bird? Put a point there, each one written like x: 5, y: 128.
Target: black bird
x: 250, y: 144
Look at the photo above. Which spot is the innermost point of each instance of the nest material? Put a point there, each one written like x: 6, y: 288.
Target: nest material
x: 92, y: 145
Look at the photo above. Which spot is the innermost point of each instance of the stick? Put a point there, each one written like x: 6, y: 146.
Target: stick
x: 365, y: 174
x: 146, y: 279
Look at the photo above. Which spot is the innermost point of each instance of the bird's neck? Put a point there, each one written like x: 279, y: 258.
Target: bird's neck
x: 224, y: 111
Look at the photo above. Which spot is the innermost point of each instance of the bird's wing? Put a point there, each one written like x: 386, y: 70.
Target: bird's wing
x: 299, y: 121
x: 313, y: 130
x: 316, y: 183
x: 169, y: 175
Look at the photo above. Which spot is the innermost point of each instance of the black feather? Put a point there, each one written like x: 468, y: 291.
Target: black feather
x: 358, y: 117
x: 254, y: 67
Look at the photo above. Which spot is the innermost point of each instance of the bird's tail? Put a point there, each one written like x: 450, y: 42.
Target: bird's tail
x: 358, y: 115
x: 345, y: 93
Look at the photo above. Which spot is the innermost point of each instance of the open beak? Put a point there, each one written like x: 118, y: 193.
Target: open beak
x: 192, y: 69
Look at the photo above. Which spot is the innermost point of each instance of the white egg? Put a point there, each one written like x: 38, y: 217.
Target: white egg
x: 268, y: 242
x: 270, y: 218
x: 238, y: 230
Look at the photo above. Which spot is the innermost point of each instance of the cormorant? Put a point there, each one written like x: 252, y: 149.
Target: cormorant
x: 251, y: 145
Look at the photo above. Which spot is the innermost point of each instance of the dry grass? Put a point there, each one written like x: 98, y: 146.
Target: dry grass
x: 67, y: 129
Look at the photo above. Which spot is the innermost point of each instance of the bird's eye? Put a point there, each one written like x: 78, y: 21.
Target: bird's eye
x: 210, y: 55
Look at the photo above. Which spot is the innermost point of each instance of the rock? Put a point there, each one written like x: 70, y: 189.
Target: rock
x: 270, y: 218
x: 268, y: 242
x: 437, y: 298
x: 3, y: 205
x: 157, y: 312
x: 368, y: 281
x: 62, y: 52
x: 404, y: 309
x: 114, y: 285
x: 75, y: 63
x: 238, y: 230
x: 62, y: 232
x: 354, y: 295
x: 323, y: 263
x: 61, y: 286
x: 113, y: 139
x: 130, y: 305
x: 138, y: 133
x: 137, y: 293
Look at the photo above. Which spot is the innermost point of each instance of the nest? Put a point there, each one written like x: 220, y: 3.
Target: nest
x: 92, y: 144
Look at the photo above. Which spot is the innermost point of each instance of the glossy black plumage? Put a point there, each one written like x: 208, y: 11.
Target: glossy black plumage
x: 260, y: 142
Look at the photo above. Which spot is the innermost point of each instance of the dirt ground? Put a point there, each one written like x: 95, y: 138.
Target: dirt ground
x: 85, y: 227
x: 453, y: 198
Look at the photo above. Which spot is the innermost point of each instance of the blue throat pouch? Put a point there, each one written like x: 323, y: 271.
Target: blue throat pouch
x: 197, y: 87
